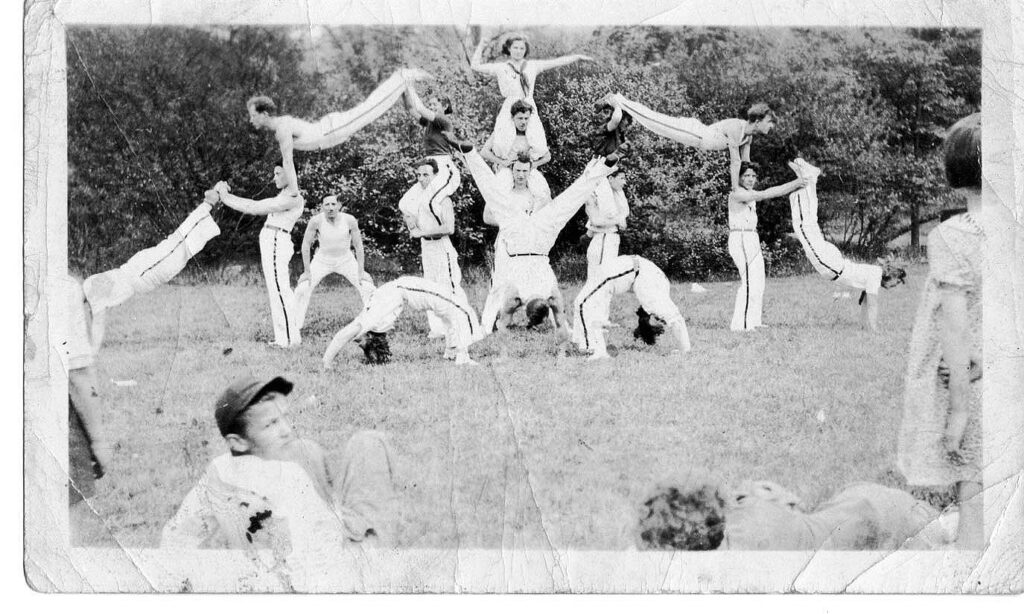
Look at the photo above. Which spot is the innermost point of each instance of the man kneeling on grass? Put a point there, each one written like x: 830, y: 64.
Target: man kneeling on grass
x: 275, y: 490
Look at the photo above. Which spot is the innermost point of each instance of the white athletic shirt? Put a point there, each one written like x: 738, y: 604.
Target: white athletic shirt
x: 335, y: 239
x: 742, y: 216
x: 286, y: 219
x: 607, y: 209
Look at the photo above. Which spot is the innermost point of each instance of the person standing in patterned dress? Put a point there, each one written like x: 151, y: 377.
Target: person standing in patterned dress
x: 940, y: 436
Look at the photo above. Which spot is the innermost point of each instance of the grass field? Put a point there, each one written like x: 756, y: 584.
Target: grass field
x: 535, y: 451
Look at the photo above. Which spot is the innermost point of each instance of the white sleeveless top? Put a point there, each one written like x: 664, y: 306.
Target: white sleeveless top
x: 742, y: 216
x: 335, y: 239
x: 286, y: 219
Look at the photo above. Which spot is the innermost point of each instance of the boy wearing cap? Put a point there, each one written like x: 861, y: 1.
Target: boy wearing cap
x: 276, y: 490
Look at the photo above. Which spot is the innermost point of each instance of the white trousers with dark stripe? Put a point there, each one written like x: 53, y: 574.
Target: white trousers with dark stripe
x: 336, y: 128
x: 686, y: 130
x: 825, y: 257
x: 745, y: 249
x: 322, y: 266
x: 276, y: 251
x: 441, y: 264
x: 604, y: 246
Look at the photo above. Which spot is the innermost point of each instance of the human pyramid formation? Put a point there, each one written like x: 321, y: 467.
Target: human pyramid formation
x: 518, y: 201
x: 272, y: 476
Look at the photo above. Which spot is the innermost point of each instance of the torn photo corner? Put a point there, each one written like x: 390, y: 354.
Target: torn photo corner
x: 397, y: 298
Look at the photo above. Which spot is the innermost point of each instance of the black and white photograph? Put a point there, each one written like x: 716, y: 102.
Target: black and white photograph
x: 523, y: 297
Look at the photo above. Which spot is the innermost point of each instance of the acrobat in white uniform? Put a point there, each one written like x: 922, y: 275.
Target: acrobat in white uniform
x: 824, y: 256
x: 607, y: 211
x: 617, y: 276
x: 387, y: 302
x: 528, y: 238
x: 276, y: 251
x: 525, y: 199
x: 433, y: 223
x: 733, y: 134
x: 745, y: 249
x: 148, y: 268
x: 337, y: 240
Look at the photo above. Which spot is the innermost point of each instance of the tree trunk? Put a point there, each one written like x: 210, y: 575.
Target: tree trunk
x: 915, y: 226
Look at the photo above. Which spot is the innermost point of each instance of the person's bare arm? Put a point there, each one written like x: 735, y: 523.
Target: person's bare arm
x: 307, y: 244
x: 955, y: 341
x: 565, y: 60
x: 735, y: 162
x: 266, y: 206
x: 557, y: 313
x: 613, y: 123
x: 477, y: 61
x: 357, y: 244
x: 745, y: 152
x: 416, y: 105
x: 286, y: 142
x: 508, y: 309
x: 541, y: 161
x: 743, y: 195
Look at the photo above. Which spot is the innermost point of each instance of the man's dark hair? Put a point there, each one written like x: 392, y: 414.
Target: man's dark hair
x: 446, y: 103
x: 759, y: 111
x: 524, y: 158
x: 684, y: 514
x: 521, y: 106
x: 376, y: 349
x: 536, y: 312
x: 961, y: 153
x: 262, y: 104
x: 428, y: 162
x: 645, y: 330
x: 754, y: 166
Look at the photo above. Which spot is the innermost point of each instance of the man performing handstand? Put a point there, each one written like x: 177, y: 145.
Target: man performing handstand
x: 151, y: 267
x: 528, y: 238
x: 827, y: 259
x: 734, y: 134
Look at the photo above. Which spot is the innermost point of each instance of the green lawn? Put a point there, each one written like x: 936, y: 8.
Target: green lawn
x: 532, y: 451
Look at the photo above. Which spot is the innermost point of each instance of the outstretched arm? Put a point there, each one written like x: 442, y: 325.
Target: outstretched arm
x: 477, y: 61
x: 416, y: 106
x: 340, y: 340
x: 266, y: 206
x: 743, y: 195
x: 307, y: 244
x: 565, y: 60
x: 487, y: 153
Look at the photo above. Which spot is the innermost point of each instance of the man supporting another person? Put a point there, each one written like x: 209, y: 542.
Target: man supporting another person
x: 607, y: 210
x: 276, y: 250
x: 340, y: 251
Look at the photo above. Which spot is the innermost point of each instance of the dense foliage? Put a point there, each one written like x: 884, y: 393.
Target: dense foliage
x: 156, y: 116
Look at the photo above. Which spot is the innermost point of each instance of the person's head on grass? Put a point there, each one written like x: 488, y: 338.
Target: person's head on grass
x: 537, y: 310
x: 685, y: 512
x: 646, y: 330
x: 375, y: 346
x: 251, y: 416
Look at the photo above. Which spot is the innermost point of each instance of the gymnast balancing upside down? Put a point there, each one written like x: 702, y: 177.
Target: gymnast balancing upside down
x: 617, y: 276
x: 370, y: 328
x: 827, y: 259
